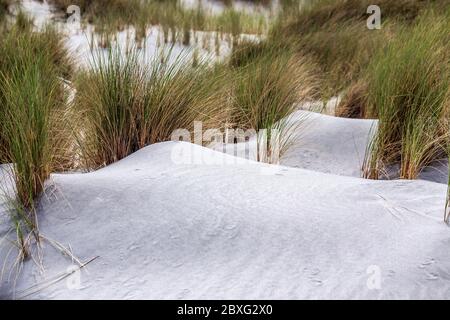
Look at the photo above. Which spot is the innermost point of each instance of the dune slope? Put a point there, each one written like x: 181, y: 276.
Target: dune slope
x: 166, y: 230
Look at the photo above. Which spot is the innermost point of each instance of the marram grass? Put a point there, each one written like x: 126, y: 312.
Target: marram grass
x: 127, y: 104
x: 408, y: 85
x: 32, y: 105
x: 268, y: 90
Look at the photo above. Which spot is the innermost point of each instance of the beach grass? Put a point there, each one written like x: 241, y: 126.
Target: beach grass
x: 408, y: 85
x: 335, y: 34
x: 268, y: 90
x: 32, y: 105
x: 127, y: 106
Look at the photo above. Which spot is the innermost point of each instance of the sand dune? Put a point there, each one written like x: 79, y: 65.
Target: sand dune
x: 243, y: 230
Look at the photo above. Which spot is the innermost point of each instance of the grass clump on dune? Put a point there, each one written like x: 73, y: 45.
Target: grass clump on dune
x: 398, y: 74
x: 109, y: 96
x: 127, y: 106
x: 408, y: 85
x: 178, y: 94
x: 335, y: 35
x: 268, y: 90
x: 32, y: 105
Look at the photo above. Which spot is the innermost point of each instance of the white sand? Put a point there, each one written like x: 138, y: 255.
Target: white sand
x: 332, y: 145
x: 164, y: 230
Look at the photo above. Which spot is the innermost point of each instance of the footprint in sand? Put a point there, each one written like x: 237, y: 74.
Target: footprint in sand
x: 427, y: 263
x: 312, y: 276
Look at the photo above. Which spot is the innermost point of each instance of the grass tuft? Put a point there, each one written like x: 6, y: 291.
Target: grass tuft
x: 127, y: 106
x: 268, y: 90
x: 32, y: 105
x: 408, y: 92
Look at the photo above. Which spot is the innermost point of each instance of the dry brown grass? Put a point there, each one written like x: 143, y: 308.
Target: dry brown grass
x: 354, y: 101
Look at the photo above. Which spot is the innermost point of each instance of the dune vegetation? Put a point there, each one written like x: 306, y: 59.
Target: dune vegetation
x: 176, y: 20
x: 399, y: 75
x: 267, y: 91
x: 33, y: 114
x: 409, y: 82
x: 127, y: 106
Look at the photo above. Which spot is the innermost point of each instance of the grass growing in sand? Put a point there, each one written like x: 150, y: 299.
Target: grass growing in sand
x: 267, y: 91
x: 334, y: 34
x: 32, y: 115
x: 408, y: 92
x: 127, y: 106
